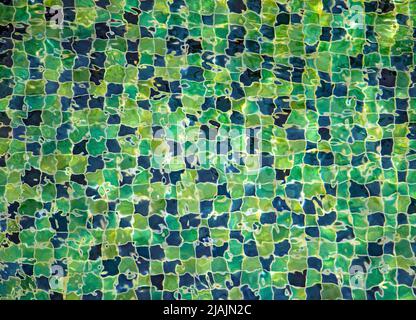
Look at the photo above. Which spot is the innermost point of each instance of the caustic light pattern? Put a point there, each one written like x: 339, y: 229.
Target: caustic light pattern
x: 201, y: 149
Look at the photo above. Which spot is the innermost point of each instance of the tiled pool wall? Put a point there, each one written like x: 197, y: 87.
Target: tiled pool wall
x: 204, y: 149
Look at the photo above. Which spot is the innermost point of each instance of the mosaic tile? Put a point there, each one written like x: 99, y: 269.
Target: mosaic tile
x: 189, y: 149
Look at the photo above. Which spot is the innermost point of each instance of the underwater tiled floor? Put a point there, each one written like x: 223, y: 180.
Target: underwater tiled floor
x: 201, y: 149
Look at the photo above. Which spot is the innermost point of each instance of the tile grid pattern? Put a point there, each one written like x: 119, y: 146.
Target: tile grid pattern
x: 114, y: 118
